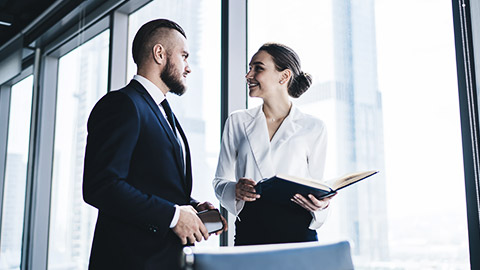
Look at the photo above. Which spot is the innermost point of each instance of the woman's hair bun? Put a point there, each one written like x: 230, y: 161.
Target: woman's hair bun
x: 300, y: 84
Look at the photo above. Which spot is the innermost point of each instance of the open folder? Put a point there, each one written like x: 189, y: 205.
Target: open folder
x: 281, y: 188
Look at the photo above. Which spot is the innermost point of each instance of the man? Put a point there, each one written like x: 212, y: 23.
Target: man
x: 137, y: 162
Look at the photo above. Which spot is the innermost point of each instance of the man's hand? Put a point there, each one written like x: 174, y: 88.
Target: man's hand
x: 244, y: 190
x: 189, y: 227
x: 207, y: 205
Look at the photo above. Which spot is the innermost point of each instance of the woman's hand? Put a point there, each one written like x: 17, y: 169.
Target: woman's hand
x: 311, y: 203
x: 208, y: 205
x: 204, y: 206
x: 245, y: 191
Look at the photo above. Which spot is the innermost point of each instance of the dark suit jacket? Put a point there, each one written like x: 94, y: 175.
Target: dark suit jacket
x: 133, y: 174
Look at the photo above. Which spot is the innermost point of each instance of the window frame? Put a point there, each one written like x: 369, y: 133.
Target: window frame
x: 39, y: 174
x: 233, y: 87
x: 5, y: 102
x: 465, y: 45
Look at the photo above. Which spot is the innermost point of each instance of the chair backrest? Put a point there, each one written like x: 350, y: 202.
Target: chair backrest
x: 302, y: 256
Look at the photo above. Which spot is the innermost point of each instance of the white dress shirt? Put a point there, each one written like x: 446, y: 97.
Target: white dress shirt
x: 298, y: 148
x: 158, y: 96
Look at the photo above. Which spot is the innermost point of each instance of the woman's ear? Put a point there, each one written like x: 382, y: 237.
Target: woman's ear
x: 286, y: 75
x: 158, y: 54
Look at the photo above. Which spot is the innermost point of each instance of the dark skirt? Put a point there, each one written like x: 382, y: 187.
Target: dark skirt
x: 263, y: 222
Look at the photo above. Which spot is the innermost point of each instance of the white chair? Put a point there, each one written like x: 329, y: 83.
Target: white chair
x: 301, y: 256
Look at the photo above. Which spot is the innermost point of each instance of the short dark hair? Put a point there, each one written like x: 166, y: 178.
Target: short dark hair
x: 146, y: 34
x: 284, y: 57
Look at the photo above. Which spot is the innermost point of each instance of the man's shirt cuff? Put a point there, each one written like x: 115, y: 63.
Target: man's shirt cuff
x: 176, y: 216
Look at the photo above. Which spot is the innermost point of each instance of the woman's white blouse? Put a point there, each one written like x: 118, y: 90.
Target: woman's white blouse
x: 298, y: 148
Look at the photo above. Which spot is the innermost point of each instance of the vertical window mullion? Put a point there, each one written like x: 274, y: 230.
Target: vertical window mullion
x: 36, y: 237
x: 118, y: 50
x: 4, y: 115
x: 234, y: 63
x: 464, y: 44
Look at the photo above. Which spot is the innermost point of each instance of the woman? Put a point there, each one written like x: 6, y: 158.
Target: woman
x: 274, y: 138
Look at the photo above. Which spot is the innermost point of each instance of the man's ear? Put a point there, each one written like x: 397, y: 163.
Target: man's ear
x: 158, y: 52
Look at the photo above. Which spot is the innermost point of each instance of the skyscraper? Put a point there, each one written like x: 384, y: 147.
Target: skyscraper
x: 351, y: 106
x: 13, y: 211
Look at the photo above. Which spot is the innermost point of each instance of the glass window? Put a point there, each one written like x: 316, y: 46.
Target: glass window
x: 13, y: 207
x: 82, y: 81
x: 384, y: 82
x: 198, y: 110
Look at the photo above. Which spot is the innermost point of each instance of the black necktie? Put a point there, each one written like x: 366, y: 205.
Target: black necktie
x: 171, y: 120
x: 169, y: 113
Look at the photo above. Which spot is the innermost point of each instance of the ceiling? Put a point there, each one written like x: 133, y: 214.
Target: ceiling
x: 21, y: 13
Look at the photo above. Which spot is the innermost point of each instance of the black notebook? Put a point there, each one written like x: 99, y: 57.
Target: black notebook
x: 281, y: 188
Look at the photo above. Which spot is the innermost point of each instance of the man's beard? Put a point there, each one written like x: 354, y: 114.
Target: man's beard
x: 172, y: 80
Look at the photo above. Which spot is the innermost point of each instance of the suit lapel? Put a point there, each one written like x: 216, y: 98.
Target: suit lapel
x: 188, y: 162
x: 163, y: 123
x: 257, y: 135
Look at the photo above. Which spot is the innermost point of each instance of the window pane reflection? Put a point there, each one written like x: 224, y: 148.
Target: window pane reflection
x: 13, y: 207
x: 82, y: 80
x: 198, y: 109
x: 384, y: 82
